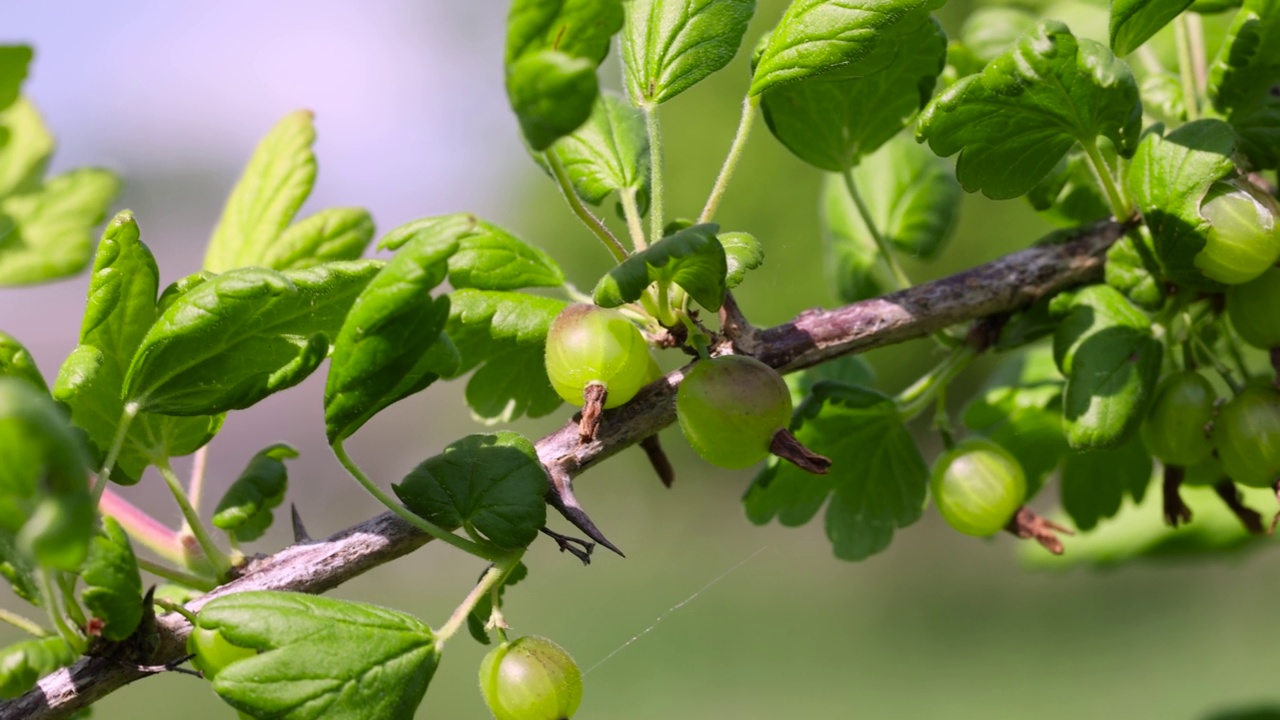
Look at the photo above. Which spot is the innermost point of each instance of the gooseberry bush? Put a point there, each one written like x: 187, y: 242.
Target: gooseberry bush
x: 1144, y: 334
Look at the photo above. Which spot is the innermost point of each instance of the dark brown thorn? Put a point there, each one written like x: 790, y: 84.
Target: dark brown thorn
x: 1250, y: 518
x: 1176, y: 511
x: 561, y: 497
x: 300, y: 534
x: 1027, y: 525
x: 658, y: 459
x: 173, y: 666
x: 735, y: 326
x: 593, y: 400
x: 786, y: 446
x: 576, y: 547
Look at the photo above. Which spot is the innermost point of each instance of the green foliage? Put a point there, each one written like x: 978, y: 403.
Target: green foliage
x: 742, y: 252
x: 491, y: 485
x: 670, y: 46
x: 692, y: 258
x: 245, y: 510
x: 113, y: 592
x: 386, y: 662
x: 877, y: 481
x: 1133, y: 22
x: 608, y: 153
x: 1244, y: 78
x: 486, y: 257
x: 23, y: 663
x: 1041, y: 97
x: 16, y: 362
x: 1095, y: 482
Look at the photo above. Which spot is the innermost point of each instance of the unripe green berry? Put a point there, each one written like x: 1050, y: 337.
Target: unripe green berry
x: 978, y: 486
x: 1254, y: 309
x: 530, y: 678
x: 730, y: 407
x: 1247, y: 435
x: 1174, y: 429
x: 213, y: 652
x: 1243, y: 238
x: 588, y: 345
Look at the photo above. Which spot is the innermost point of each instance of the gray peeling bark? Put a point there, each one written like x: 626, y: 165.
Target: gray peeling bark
x: 1001, y: 286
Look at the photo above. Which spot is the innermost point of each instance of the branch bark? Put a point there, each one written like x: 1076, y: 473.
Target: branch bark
x: 813, y: 337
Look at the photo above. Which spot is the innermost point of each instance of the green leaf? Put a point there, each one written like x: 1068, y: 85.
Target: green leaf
x: 1132, y: 269
x: 1168, y: 178
x: 114, y: 588
x: 384, y: 351
x: 608, y: 153
x: 878, y: 479
x: 817, y: 36
x: 1133, y: 22
x: 1105, y: 348
x: 507, y: 330
x: 742, y: 252
x: 50, y: 229
x: 849, y: 370
x: 14, y: 61
x: 1244, y: 81
x: 242, y: 336
x: 329, y: 235
x: 321, y: 657
x: 24, y: 663
x: 16, y: 362
x: 25, y: 154
x: 914, y: 200
x: 668, y: 46
x: 245, y: 510
x: 18, y: 571
x: 479, y: 615
x: 1025, y: 417
x: 990, y: 30
x: 493, y: 485
x: 691, y: 258
x: 487, y: 256
x: 1015, y: 120
x: 1069, y: 196
x: 1139, y: 532
x: 1162, y: 98
x: 44, y: 483
x: 1095, y: 482
x: 552, y: 52
x: 274, y: 184
x: 121, y: 308
x: 833, y: 120
x: 180, y: 287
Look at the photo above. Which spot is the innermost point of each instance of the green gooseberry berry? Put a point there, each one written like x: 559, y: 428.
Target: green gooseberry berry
x: 978, y: 486
x: 1243, y: 238
x: 1247, y: 435
x: 730, y: 407
x: 1254, y: 309
x: 1175, y: 427
x: 213, y: 652
x: 530, y: 678
x: 590, y: 345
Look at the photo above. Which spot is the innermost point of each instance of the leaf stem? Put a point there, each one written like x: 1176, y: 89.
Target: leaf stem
x: 178, y: 576
x: 1186, y: 67
x: 51, y: 605
x: 1119, y: 208
x: 142, y: 528
x: 631, y: 211
x: 117, y: 443
x: 916, y: 398
x: 575, y: 203
x: 492, y: 578
x: 654, y: 130
x: 196, y: 487
x: 23, y: 623
x: 749, y: 105
x: 1223, y: 371
x: 221, y: 563
x: 406, y: 514
x: 1195, y: 33
x: 882, y: 244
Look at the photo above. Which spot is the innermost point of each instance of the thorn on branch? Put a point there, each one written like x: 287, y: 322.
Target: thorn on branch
x: 594, y: 397
x: 736, y: 328
x: 1027, y: 525
x: 786, y: 446
x: 576, y: 547
x: 1250, y: 518
x: 300, y: 534
x: 984, y: 333
x: 658, y: 459
x: 561, y: 497
x: 1176, y: 511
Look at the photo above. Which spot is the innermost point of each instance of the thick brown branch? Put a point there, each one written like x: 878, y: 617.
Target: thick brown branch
x: 813, y: 337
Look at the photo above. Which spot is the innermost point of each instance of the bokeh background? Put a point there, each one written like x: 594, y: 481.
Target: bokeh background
x: 413, y: 122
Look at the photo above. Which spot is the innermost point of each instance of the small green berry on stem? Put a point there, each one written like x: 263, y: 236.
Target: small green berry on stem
x: 1243, y: 238
x: 978, y: 487
x: 596, y: 359
x: 530, y: 678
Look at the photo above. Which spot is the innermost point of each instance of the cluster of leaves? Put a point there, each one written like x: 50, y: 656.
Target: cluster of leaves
x: 1030, y: 108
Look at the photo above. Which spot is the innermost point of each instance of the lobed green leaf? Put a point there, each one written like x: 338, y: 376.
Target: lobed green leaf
x: 1133, y: 22
x: 1095, y: 482
x: 692, y: 258
x: 25, y: 154
x: 742, y: 253
x: 494, y: 485
x: 113, y: 592
x: 608, y: 153
x: 1132, y: 268
x: 47, y: 232
x: 16, y: 362
x: 25, y: 662
x: 245, y: 510
x: 1244, y: 81
x: 486, y: 257
x: 329, y: 235
x: 668, y: 46
x: 321, y: 657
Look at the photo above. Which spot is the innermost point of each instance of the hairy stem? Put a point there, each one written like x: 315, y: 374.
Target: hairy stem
x: 575, y: 203
x: 882, y: 244
x: 178, y: 576
x: 749, y: 105
x: 221, y: 563
x: 407, y: 515
x: 491, y: 580
x: 654, y: 131
x: 23, y: 623
x: 122, y: 432
x: 1119, y: 207
x: 631, y: 211
x: 917, y: 398
x: 1186, y: 67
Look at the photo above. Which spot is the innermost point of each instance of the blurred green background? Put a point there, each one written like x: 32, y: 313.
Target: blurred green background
x: 413, y: 123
